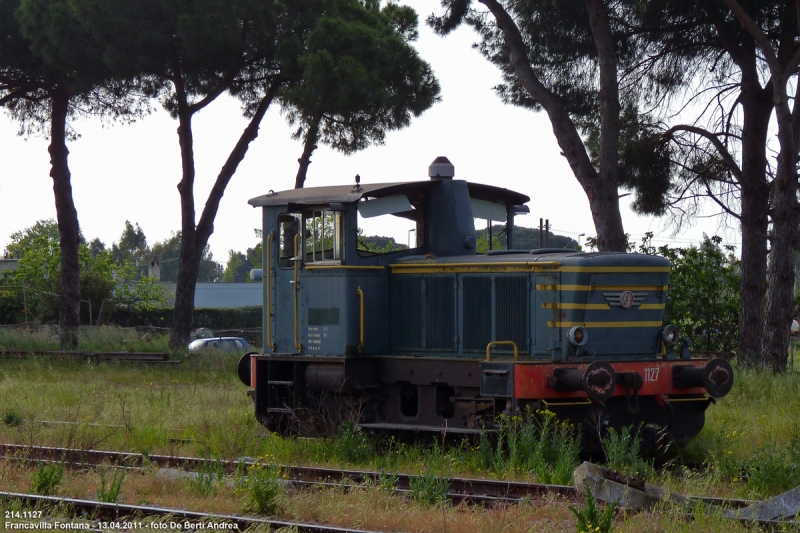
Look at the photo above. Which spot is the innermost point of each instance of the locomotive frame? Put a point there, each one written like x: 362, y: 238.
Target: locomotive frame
x: 439, y: 338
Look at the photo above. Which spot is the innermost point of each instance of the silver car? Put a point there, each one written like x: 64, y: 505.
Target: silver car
x: 226, y: 344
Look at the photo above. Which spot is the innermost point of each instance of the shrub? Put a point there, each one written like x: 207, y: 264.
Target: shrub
x: 622, y: 452
x: 47, y: 478
x: 590, y: 518
x: 263, y: 489
x: 533, y: 443
x: 352, y: 445
x: 12, y: 419
x: 429, y: 489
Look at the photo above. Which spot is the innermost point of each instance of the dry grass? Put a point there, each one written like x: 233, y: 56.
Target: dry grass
x: 370, y: 509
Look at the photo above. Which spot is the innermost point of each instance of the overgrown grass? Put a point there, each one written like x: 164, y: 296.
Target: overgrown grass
x: 368, y: 509
x: 90, y: 339
x: 750, y: 445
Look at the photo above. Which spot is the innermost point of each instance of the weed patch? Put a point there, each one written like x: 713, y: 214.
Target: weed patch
x: 352, y: 445
x: 47, y: 478
x: 533, y: 443
x: 429, y: 489
x: 208, y: 478
x: 263, y: 490
x: 12, y: 419
x: 622, y: 450
x: 109, y: 489
x: 590, y: 518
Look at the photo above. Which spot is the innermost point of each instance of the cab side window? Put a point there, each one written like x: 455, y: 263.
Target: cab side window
x: 324, y: 232
x: 288, y: 229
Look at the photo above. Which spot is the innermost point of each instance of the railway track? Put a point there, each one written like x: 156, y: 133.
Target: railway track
x: 97, y: 516
x: 468, y: 490
x: 149, y: 358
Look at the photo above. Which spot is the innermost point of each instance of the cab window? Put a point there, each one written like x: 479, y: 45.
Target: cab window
x: 324, y: 236
x: 388, y: 224
x: 489, y: 234
x: 288, y: 228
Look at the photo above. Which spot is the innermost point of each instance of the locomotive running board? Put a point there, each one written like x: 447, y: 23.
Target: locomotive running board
x: 429, y: 429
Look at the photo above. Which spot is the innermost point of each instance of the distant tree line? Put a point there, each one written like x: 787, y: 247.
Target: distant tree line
x: 108, y: 278
x: 610, y: 76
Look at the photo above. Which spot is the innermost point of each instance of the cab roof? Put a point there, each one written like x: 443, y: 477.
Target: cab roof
x: 353, y: 193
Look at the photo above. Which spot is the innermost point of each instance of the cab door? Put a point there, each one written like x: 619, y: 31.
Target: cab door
x: 287, y: 251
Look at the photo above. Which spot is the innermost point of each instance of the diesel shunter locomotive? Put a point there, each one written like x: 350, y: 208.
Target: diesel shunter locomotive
x: 438, y: 337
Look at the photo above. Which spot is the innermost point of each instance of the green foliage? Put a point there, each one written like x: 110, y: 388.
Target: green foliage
x: 132, y: 248
x: 378, y: 244
x: 429, y: 489
x: 168, y: 251
x: 47, y: 478
x: 208, y: 477
x: 703, y: 292
x: 238, y: 268
x: 109, y: 491
x: 590, y: 518
x: 101, y: 279
x: 774, y: 468
x: 359, y: 77
x: 622, y: 451
x: 482, y: 243
x: 263, y: 489
x: 352, y: 445
x: 532, y: 443
x: 387, y: 481
x: 213, y: 318
x: 23, y: 240
x: 524, y: 239
x: 12, y: 419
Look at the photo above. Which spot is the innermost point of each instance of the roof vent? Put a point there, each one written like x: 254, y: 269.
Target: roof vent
x: 441, y: 169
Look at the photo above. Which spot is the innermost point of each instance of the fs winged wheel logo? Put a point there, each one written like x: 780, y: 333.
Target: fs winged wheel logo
x: 625, y: 299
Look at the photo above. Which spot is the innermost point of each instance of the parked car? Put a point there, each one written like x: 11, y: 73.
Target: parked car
x: 226, y: 344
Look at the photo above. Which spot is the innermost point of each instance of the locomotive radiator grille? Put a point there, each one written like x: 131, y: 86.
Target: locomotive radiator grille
x: 440, y: 313
x: 477, y: 312
x: 512, y: 303
x: 423, y: 313
x: 495, y: 308
x: 406, y: 313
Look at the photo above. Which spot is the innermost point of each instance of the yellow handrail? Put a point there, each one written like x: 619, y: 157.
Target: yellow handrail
x: 361, y: 336
x: 271, y: 344
x: 296, y: 289
x: 495, y: 343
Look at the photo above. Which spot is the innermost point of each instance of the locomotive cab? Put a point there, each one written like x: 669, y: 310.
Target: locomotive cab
x: 437, y: 337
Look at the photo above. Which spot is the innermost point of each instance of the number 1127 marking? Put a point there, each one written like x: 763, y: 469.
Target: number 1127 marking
x: 651, y: 374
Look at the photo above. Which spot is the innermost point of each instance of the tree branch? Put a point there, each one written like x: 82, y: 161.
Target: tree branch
x: 755, y: 31
x: 730, y: 162
x: 206, y: 225
x: 569, y: 140
x: 720, y: 204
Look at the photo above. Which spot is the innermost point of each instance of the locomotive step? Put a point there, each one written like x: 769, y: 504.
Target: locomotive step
x: 281, y: 383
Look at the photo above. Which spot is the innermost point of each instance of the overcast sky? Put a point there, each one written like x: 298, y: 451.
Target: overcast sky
x: 131, y: 172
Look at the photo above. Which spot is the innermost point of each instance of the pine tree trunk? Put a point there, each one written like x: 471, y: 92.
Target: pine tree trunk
x: 309, y: 146
x: 783, y: 239
x: 601, y: 188
x: 757, y: 108
x: 604, y: 204
x: 189, y: 261
x: 195, y: 238
x: 67, y: 216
